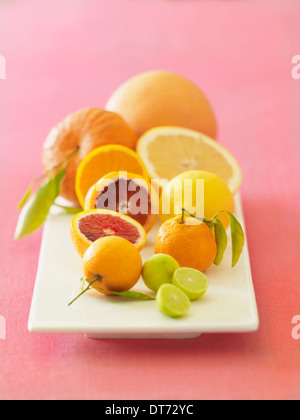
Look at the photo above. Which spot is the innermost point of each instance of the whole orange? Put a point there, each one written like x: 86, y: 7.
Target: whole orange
x: 82, y: 132
x: 191, y: 243
x: 116, y: 260
x: 160, y: 98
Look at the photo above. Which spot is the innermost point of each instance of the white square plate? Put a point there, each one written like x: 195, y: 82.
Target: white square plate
x: 228, y: 306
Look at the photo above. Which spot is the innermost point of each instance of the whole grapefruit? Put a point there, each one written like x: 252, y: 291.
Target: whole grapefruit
x: 160, y: 98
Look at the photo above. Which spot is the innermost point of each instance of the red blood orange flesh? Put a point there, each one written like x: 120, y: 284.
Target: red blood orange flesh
x: 94, y: 227
x: 89, y: 226
x: 125, y: 193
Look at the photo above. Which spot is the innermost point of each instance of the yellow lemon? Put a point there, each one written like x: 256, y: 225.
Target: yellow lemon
x: 205, y: 198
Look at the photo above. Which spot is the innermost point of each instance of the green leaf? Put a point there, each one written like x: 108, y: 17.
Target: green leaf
x: 35, y: 211
x: 237, y: 234
x: 128, y: 294
x: 24, y: 200
x: 221, y: 240
x: 238, y: 238
x: 69, y: 210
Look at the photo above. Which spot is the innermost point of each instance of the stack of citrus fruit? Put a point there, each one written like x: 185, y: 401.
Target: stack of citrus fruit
x: 123, y: 164
x: 170, y: 123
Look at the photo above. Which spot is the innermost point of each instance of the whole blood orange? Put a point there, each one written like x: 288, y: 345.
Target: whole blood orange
x: 126, y: 193
x: 88, y: 226
x: 82, y: 132
x: 190, y: 242
x: 160, y: 98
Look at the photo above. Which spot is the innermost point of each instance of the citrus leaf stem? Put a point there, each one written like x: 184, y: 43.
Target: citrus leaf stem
x: 201, y: 219
x: 181, y: 221
x: 58, y: 165
x: 28, y: 193
x: 127, y: 294
x: 91, y: 282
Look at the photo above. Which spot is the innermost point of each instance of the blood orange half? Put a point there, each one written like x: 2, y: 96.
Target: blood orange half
x: 126, y: 193
x: 90, y: 225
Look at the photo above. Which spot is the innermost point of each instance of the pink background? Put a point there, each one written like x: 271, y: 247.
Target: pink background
x: 65, y: 55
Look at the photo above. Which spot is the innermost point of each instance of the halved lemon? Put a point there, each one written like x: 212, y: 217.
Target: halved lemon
x: 170, y: 151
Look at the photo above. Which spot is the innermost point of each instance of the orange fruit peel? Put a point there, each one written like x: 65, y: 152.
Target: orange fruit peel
x: 116, y: 261
x: 192, y: 244
x: 82, y: 132
x: 102, y: 161
x: 111, y: 265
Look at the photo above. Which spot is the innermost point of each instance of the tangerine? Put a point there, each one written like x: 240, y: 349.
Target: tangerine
x: 192, y: 244
x: 82, y: 132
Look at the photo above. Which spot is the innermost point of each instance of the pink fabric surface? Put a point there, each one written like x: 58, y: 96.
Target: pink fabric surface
x: 65, y: 55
